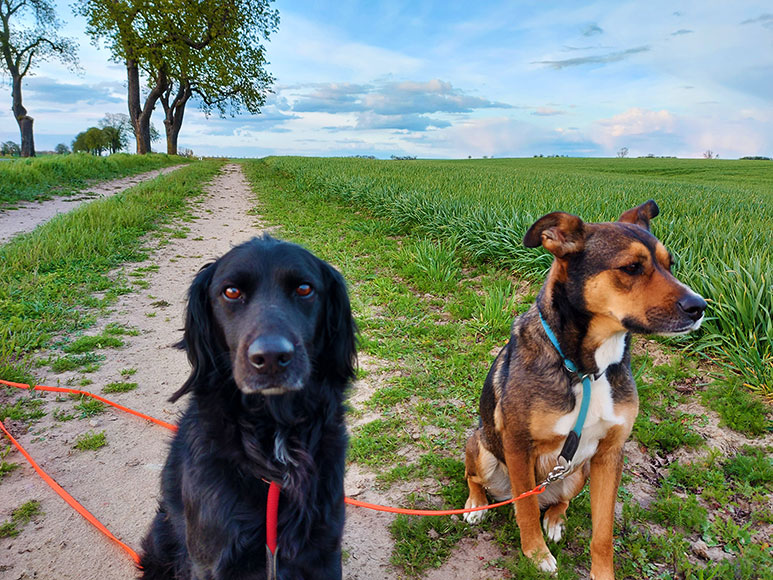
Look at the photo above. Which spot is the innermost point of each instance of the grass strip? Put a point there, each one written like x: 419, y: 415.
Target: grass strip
x: 53, y: 278
x: 41, y: 177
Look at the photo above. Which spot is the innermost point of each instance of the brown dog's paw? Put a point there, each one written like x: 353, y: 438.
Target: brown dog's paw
x: 544, y: 560
x: 554, y: 521
x: 605, y: 576
x: 474, y: 517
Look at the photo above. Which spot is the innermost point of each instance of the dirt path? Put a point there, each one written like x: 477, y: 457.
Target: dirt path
x: 27, y: 216
x: 119, y: 483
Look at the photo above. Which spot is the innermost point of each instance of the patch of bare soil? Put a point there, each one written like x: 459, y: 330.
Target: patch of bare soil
x: 27, y: 216
x: 367, y: 542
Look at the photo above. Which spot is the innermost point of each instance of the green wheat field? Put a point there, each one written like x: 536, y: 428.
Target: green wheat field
x: 715, y: 217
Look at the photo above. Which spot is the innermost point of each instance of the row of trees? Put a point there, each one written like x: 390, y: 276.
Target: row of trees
x: 12, y: 149
x: 173, y: 50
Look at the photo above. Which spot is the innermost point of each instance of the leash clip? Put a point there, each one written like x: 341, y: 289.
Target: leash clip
x: 559, y: 472
x: 271, y: 563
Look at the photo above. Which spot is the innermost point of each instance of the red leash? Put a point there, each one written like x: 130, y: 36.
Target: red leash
x: 272, y: 515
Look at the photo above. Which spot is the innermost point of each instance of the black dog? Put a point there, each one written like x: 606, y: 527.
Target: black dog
x: 270, y: 336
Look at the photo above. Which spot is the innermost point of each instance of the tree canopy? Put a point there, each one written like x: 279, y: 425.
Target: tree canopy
x: 211, y: 49
x: 93, y: 140
x: 117, y: 128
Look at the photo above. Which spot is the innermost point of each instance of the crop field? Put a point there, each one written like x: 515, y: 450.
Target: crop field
x: 715, y: 218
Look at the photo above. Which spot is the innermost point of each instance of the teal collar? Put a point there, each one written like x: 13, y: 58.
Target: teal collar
x: 573, y: 439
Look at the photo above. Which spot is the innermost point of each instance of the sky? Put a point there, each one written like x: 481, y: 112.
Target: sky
x: 452, y: 79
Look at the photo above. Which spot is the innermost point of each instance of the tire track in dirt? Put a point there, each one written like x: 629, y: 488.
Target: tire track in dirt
x: 119, y: 483
x: 27, y: 216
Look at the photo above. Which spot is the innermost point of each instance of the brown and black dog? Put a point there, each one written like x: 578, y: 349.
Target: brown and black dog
x: 607, y: 280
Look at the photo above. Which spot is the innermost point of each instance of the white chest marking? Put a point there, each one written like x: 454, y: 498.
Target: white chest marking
x: 610, y: 351
x: 601, y: 411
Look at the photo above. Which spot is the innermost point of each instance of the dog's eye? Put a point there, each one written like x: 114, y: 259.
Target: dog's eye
x: 304, y: 290
x: 232, y: 293
x: 632, y: 269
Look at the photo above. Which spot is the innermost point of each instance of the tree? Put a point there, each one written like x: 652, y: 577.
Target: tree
x: 93, y: 140
x: 184, y: 47
x: 79, y: 143
x: 28, y: 35
x: 709, y: 154
x: 622, y: 153
x: 10, y: 148
x: 117, y: 128
x: 61, y: 149
x: 224, y: 74
x: 114, y: 140
x: 122, y: 25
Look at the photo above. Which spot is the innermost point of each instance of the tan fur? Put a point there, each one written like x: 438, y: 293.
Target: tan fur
x: 499, y: 419
x: 663, y: 256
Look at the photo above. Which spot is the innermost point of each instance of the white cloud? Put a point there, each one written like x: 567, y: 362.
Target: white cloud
x: 636, y: 122
x: 664, y: 133
x: 546, y: 112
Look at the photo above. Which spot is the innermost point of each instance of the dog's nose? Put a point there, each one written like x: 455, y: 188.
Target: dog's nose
x: 271, y: 354
x: 692, y: 305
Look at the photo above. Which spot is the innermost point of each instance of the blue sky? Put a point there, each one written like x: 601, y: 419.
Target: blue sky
x: 458, y: 79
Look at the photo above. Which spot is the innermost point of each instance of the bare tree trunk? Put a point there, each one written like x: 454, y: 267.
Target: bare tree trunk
x: 23, y: 119
x: 141, y: 133
x: 140, y: 115
x: 173, y: 114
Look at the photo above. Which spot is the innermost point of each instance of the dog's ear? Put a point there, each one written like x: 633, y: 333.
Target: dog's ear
x: 199, y: 341
x: 558, y: 232
x: 339, y: 341
x: 641, y: 215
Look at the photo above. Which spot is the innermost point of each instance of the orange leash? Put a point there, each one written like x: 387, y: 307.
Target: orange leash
x: 96, y: 523
x: 68, y: 498
x: 93, y: 396
x: 393, y: 510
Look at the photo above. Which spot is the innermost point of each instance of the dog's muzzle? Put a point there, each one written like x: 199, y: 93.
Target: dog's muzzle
x: 690, y: 308
x: 274, y: 366
x: 271, y: 355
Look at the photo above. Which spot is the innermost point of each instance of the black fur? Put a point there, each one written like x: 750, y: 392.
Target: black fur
x: 233, y: 438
